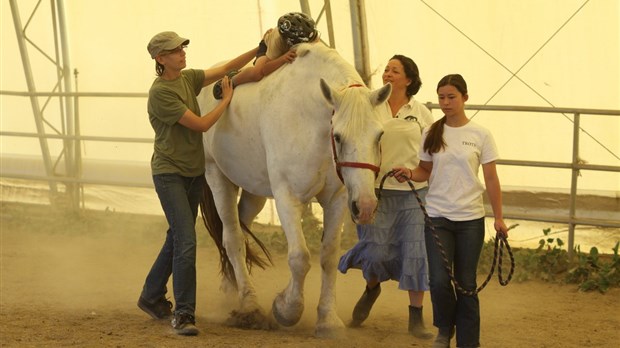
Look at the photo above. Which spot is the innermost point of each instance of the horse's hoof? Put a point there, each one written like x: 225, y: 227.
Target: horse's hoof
x: 254, y: 320
x: 287, y: 320
x: 330, y: 326
x: 330, y: 332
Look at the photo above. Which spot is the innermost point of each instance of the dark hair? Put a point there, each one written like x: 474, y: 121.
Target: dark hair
x: 434, y: 139
x: 455, y: 80
x: 159, y: 68
x: 412, y: 73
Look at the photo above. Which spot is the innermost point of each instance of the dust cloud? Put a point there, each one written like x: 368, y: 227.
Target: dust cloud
x: 73, y: 280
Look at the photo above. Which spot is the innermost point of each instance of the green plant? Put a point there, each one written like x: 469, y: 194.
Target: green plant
x: 592, y: 273
x: 275, y: 239
x: 550, y: 262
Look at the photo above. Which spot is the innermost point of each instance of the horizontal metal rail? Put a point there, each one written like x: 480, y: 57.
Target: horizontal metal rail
x: 76, y: 94
x: 579, y: 166
x: 575, y: 166
x: 77, y: 137
x: 547, y: 109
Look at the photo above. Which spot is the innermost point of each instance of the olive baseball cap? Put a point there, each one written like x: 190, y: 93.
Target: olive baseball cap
x: 165, y: 41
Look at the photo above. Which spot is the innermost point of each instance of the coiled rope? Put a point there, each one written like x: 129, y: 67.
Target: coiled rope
x: 501, y: 243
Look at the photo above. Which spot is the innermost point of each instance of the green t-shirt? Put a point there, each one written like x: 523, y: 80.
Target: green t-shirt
x: 177, y: 149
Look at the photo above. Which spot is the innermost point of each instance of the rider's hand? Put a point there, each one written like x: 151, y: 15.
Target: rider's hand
x: 289, y: 56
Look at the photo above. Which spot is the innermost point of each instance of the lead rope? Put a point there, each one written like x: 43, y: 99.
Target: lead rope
x: 498, y: 253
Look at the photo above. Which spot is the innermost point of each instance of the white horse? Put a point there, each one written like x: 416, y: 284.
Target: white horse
x: 279, y: 138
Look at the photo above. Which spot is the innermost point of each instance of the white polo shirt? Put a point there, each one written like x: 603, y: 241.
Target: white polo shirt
x: 400, y: 142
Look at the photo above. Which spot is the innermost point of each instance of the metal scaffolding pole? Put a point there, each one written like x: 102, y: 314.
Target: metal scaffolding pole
x: 36, y: 109
x: 327, y: 10
x: 61, y: 64
x: 360, y: 39
x: 71, y: 148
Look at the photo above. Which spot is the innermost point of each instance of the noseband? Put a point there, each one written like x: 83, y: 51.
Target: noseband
x: 339, y: 164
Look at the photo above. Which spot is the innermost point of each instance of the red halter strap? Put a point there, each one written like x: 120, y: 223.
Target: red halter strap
x: 339, y: 165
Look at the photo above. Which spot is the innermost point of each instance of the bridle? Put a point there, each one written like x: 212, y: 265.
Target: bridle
x: 339, y: 164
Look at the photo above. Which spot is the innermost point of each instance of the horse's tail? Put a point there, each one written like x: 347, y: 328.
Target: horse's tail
x: 213, y: 223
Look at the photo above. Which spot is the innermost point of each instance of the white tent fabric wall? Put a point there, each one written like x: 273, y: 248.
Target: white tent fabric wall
x: 558, y: 51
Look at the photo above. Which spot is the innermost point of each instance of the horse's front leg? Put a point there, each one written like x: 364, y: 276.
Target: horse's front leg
x: 288, y: 306
x: 329, y: 323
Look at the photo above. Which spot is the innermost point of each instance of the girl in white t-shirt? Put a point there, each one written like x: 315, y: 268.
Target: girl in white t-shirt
x: 453, y: 150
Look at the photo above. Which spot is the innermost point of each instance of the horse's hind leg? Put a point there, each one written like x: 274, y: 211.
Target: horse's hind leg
x: 249, y: 207
x: 329, y: 323
x: 249, y: 315
x: 288, y: 306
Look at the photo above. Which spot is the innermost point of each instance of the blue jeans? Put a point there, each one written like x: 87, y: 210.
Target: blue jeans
x: 179, y: 197
x: 462, y: 241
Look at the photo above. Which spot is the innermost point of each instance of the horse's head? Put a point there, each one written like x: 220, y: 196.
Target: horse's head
x: 356, y: 132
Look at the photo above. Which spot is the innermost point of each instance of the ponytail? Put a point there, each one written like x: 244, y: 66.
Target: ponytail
x: 434, y: 138
x: 159, y: 68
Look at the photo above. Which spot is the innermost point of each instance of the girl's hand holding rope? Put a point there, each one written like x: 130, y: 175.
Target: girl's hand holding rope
x: 401, y: 174
x: 500, y: 228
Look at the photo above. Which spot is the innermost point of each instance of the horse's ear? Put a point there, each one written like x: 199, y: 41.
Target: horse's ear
x: 380, y: 95
x: 327, y: 92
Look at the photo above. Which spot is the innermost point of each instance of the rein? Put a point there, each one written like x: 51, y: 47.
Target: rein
x: 500, y: 243
x: 339, y: 164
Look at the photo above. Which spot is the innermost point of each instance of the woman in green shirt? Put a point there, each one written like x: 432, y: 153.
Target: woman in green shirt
x: 178, y: 166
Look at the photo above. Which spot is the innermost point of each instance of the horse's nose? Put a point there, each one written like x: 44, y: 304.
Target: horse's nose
x: 355, y: 211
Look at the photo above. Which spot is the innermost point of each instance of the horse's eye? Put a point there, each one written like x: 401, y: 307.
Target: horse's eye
x: 337, y: 138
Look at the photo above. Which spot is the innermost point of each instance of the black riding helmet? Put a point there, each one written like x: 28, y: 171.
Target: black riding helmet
x: 296, y: 27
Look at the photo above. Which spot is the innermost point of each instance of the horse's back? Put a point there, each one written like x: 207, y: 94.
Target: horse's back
x: 273, y: 129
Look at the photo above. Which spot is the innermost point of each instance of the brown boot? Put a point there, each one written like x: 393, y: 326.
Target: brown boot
x: 416, y: 324
x: 364, y: 305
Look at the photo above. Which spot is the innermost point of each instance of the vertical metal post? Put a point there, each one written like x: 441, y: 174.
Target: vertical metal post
x: 360, y: 39
x: 71, y: 164
x: 573, y: 185
x: 327, y: 9
x: 36, y: 109
x: 305, y: 7
x: 78, y: 145
x: 330, y: 24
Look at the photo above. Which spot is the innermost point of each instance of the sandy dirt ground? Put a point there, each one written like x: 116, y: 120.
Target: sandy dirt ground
x: 74, y: 281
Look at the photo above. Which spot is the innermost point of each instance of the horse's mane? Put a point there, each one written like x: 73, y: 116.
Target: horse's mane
x: 341, y: 76
x: 354, y: 125
x: 334, y: 69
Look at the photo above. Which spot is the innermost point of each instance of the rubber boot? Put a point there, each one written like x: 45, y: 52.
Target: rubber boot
x: 416, y: 324
x: 443, y: 337
x: 364, y: 305
x: 217, y: 88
